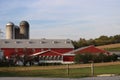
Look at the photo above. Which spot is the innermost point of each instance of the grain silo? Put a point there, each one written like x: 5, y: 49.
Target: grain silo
x: 10, y: 30
x: 17, y: 32
x: 24, y: 30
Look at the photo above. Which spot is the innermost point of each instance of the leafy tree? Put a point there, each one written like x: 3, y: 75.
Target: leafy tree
x: 87, y: 57
x: 82, y: 42
x: 117, y: 38
x: 83, y: 58
x: 102, y: 40
x: 91, y: 42
x: 78, y: 58
x: 114, y: 57
x: 76, y: 45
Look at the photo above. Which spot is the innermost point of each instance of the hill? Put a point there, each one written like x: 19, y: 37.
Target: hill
x: 110, y: 46
x: 102, y: 40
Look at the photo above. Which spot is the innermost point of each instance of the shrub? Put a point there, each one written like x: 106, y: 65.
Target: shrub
x: 88, y: 57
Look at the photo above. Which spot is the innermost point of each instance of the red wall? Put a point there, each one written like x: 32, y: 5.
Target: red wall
x: 62, y: 50
x: 68, y: 58
x: 20, y: 51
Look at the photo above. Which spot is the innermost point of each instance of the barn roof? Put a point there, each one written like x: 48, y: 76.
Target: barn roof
x: 36, y: 43
x: 47, y: 53
x: 87, y: 49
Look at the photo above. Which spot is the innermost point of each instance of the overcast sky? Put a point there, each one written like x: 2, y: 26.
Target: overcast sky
x: 63, y: 19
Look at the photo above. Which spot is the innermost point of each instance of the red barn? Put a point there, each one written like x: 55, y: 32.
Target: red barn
x: 49, y: 50
x: 90, y: 49
x: 69, y: 56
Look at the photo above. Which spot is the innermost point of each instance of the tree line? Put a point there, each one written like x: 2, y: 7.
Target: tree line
x: 102, y: 40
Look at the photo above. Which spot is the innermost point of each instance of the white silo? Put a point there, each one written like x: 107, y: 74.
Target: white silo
x: 10, y: 30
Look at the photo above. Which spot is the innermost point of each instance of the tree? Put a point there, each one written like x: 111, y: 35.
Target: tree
x: 114, y: 57
x: 76, y: 45
x: 117, y: 38
x: 102, y: 40
x: 78, y: 58
x: 83, y: 58
x: 82, y: 42
x: 100, y: 57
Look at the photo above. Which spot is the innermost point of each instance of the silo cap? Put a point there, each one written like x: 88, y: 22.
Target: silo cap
x: 24, y: 23
x: 10, y: 23
x: 16, y: 26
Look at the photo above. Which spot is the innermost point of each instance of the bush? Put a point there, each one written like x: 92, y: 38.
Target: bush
x: 83, y: 58
x: 114, y: 57
x: 88, y: 57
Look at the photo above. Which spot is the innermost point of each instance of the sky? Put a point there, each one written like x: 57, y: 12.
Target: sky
x: 63, y: 19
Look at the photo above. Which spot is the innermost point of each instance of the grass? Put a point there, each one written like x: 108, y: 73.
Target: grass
x: 61, y: 72
x: 114, y: 69
x: 47, y: 73
x: 113, y: 49
x: 109, y: 46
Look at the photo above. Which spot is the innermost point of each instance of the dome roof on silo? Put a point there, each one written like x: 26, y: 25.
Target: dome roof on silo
x: 24, y: 23
x: 16, y: 26
x: 10, y: 23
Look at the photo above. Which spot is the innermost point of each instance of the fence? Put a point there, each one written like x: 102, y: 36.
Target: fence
x: 71, y: 71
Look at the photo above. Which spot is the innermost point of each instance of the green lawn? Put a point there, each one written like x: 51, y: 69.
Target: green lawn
x: 114, y: 69
x: 73, y: 72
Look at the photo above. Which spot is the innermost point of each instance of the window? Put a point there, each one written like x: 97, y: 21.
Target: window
x: 6, y: 42
x: 67, y: 42
x: 42, y: 42
x: 55, y: 42
x: 30, y: 42
x: 18, y: 42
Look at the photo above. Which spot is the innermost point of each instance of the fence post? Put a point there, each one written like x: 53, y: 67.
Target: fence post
x: 68, y: 69
x: 92, y: 68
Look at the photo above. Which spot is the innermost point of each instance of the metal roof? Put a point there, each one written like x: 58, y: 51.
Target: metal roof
x: 24, y: 23
x: 47, y: 51
x: 36, y: 43
x: 82, y: 48
x: 79, y: 49
x: 10, y: 23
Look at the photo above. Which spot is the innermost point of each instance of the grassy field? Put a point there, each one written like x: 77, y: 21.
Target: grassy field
x: 109, y: 46
x: 75, y: 71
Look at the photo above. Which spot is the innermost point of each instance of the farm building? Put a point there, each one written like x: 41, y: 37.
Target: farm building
x: 69, y: 56
x: 17, y: 43
x: 49, y: 50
